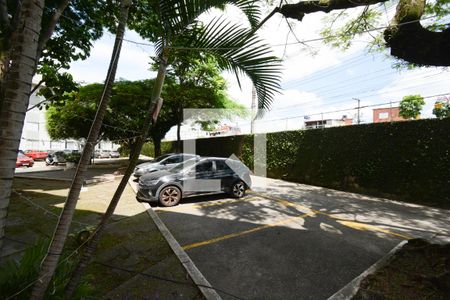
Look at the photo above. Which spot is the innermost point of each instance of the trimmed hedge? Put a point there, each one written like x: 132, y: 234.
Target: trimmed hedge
x: 407, y: 161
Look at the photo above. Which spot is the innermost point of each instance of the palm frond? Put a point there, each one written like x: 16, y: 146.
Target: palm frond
x: 178, y: 14
x: 241, y: 52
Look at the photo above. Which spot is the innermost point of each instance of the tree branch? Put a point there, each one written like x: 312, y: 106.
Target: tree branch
x: 36, y: 86
x: 405, y: 36
x: 411, y: 42
x: 299, y: 10
x: 47, y: 32
x: 4, y: 19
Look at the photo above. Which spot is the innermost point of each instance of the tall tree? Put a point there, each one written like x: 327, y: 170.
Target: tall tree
x: 406, y: 37
x: 50, y: 261
x: 126, y: 112
x: 27, y: 28
x: 19, y: 68
x: 410, y: 106
x: 236, y: 49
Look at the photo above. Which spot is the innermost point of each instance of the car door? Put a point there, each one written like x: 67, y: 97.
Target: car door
x: 223, y: 173
x: 200, y: 179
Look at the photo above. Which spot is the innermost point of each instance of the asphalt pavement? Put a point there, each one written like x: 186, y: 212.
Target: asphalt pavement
x: 293, y: 241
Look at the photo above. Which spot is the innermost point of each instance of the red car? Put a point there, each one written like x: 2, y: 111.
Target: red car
x: 36, y: 154
x: 24, y: 161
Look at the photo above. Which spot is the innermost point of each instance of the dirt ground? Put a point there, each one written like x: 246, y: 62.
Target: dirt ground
x: 419, y: 270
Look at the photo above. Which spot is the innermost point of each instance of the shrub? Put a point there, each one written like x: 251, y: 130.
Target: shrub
x: 73, y: 157
x: 15, y: 276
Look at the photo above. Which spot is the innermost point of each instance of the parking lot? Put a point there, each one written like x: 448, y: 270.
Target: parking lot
x: 293, y: 241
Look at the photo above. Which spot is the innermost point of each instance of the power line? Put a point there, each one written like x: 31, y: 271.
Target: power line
x: 275, y: 45
x: 341, y: 110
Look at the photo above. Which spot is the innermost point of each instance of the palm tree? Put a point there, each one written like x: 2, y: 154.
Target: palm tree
x: 51, y: 259
x: 20, y: 65
x: 237, y: 49
x: 21, y: 45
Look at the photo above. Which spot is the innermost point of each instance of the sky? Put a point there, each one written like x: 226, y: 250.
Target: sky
x: 316, y: 81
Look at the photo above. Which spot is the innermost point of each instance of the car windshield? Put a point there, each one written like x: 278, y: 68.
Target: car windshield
x: 160, y: 158
x: 184, y: 165
x: 21, y: 155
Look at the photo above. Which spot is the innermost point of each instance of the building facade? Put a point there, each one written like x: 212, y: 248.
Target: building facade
x: 387, y: 114
x: 35, y: 135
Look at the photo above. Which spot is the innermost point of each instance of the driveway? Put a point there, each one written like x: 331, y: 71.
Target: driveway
x: 294, y: 241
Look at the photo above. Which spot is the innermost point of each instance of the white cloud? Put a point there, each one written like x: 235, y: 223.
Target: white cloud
x: 133, y: 63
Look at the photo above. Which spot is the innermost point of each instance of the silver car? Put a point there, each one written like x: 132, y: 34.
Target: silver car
x: 163, y: 162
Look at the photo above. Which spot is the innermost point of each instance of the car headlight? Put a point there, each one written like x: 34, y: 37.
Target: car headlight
x: 149, y: 182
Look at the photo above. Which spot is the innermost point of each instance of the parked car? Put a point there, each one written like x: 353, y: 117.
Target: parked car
x: 24, y: 161
x: 36, y: 154
x: 102, y: 153
x: 166, y: 161
x: 114, y: 154
x: 56, y: 158
x: 168, y: 187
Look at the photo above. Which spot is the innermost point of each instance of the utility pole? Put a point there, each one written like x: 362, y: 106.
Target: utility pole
x: 359, y: 105
x: 253, y: 108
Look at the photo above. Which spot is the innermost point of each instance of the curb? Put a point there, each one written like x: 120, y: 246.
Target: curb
x: 205, y: 287
x: 351, y: 288
x: 42, y: 178
x: 85, y: 182
x: 198, y: 278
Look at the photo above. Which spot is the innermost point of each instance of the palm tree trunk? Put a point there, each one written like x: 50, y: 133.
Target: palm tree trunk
x: 157, y: 146
x: 95, y: 238
x: 15, y: 97
x: 50, y: 261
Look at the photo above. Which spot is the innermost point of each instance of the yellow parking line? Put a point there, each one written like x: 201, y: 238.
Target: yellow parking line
x: 363, y: 226
x: 237, y: 234
x: 345, y: 222
x: 216, y: 203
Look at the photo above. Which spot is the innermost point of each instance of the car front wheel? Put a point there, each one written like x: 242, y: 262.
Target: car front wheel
x: 170, y: 196
x: 238, y: 189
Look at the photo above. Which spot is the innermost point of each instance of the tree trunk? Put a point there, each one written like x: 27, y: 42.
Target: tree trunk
x: 15, y: 97
x: 179, y: 137
x: 50, y: 262
x: 95, y: 238
x: 132, y: 146
x: 157, y: 146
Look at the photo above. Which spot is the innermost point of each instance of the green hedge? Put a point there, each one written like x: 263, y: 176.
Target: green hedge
x: 402, y: 160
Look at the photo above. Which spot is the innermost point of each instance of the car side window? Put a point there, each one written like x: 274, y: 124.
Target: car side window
x: 206, y: 166
x: 221, y: 166
x: 172, y: 160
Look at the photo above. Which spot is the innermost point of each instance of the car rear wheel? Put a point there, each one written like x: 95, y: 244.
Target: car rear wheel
x: 170, y: 196
x: 238, y: 189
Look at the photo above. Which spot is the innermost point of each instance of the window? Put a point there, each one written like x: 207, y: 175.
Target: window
x: 204, y: 167
x: 383, y: 115
x: 222, y: 166
x: 172, y: 160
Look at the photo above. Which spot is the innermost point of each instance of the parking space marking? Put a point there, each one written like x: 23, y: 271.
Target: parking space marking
x: 216, y: 203
x: 349, y: 223
x: 363, y: 226
x: 238, y: 234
